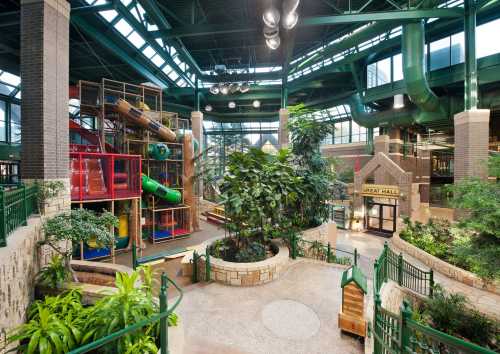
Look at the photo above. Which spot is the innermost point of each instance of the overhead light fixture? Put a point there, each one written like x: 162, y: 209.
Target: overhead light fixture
x: 224, y: 89
x: 399, y: 101
x: 273, y: 43
x: 208, y: 108
x: 214, y: 90
x: 270, y: 32
x: 271, y: 17
x: 244, y: 87
x: 290, y: 20
x: 256, y: 104
x: 231, y: 105
x: 233, y: 88
x: 290, y: 6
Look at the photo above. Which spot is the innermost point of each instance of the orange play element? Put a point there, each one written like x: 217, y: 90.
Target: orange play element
x: 120, y: 186
x: 166, y: 220
x: 95, y: 178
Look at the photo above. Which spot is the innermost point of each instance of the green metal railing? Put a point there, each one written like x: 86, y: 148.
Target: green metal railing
x: 315, y: 249
x: 16, y: 205
x: 162, y: 317
x: 196, y: 260
x: 399, y: 333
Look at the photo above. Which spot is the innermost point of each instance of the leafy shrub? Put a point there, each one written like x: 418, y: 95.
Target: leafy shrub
x: 255, y: 252
x: 54, y: 274
x: 451, y: 313
x: 434, y: 237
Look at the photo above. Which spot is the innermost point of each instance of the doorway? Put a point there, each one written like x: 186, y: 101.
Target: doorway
x: 380, y: 217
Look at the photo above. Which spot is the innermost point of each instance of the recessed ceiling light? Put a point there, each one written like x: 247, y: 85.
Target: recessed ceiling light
x: 399, y: 101
x: 208, y: 108
x: 224, y: 89
x: 214, y: 90
x: 244, y: 87
x: 256, y: 104
x: 232, y: 105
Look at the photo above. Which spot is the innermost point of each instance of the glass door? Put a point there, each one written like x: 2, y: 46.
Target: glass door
x: 380, y: 217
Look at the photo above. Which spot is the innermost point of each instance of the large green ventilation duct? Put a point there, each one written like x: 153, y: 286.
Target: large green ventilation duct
x: 433, y: 110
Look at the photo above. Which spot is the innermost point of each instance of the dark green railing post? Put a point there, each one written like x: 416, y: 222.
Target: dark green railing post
x: 377, y: 346
x: 195, y: 267
x: 431, y: 283
x: 294, y: 246
x: 406, y: 314
x: 400, y: 269
x: 3, y: 227
x: 207, y: 264
x: 134, y: 255
x: 355, y: 256
x: 328, y: 253
x: 164, y: 320
x: 25, y: 207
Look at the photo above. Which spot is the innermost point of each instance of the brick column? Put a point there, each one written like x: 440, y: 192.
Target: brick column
x: 381, y: 144
x: 283, y: 140
x: 471, y: 144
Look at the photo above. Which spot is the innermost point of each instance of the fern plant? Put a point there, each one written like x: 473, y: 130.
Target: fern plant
x: 54, y: 274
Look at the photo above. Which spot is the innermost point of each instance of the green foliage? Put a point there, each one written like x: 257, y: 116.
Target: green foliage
x: 254, y: 252
x: 451, y: 313
x: 229, y: 250
x: 54, y: 274
x: 47, y: 190
x: 434, y: 237
x: 317, y: 250
x: 79, y: 225
x: 61, y: 323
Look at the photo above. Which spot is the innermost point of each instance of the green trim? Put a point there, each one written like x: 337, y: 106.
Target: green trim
x: 354, y: 274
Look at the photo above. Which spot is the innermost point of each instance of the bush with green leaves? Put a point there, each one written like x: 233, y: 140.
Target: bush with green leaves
x: 61, y: 323
x: 47, y: 190
x: 75, y: 226
x: 435, y: 237
x: 452, y: 313
x: 55, y: 274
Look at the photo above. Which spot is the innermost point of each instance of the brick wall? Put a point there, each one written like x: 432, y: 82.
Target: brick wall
x: 45, y: 78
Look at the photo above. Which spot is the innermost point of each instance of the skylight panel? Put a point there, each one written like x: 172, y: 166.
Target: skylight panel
x: 177, y: 60
x: 173, y: 76
x: 90, y: 2
x: 157, y: 60
x: 160, y: 42
x: 108, y: 15
x: 136, y: 39
x: 149, y: 52
x: 182, y: 83
x: 123, y: 27
x: 172, y: 51
x: 126, y: 2
x: 167, y: 69
x: 18, y: 95
x: 10, y: 79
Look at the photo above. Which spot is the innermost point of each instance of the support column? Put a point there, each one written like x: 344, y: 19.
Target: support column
x: 283, y: 141
x: 45, y: 82
x: 470, y: 83
x: 471, y: 144
x: 197, y: 129
x: 381, y: 144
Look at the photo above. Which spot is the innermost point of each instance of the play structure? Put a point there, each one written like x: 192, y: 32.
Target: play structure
x: 130, y: 157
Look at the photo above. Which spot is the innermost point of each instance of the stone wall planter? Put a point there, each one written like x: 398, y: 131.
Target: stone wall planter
x: 445, y: 268
x: 326, y: 232
x: 241, y: 274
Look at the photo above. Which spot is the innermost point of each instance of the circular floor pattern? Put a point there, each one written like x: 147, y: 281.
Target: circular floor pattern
x: 290, y: 319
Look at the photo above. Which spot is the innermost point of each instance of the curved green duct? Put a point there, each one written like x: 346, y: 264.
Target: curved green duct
x: 417, y: 87
x: 392, y: 117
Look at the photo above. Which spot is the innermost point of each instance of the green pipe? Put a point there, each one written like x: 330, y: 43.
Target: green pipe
x: 151, y: 186
x: 392, y: 117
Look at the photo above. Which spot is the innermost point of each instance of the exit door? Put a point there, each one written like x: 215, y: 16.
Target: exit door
x: 380, y: 217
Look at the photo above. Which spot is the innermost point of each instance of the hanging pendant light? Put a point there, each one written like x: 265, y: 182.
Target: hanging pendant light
x: 256, y: 104
x: 290, y: 6
x: 233, y: 88
x: 224, y: 89
x: 273, y: 43
x: 271, y: 17
x: 244, y: 87
x: 231, y: 105
x: 208, y: 108
x: 399, y: 101
x: 270, y: 32
x: 290, y: 20
x: 214, y: 90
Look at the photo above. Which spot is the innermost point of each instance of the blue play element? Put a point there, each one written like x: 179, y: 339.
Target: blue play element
x: 162, y: 234
x: 90, y: 253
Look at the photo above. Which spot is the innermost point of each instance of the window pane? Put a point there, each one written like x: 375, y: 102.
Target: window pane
x: 440, y: 53
x: 457, y: 48
x: 15, y: 113
x: 371, y: 75
x: 487, y: 42
x: 384, y: 71
x: 397, y: 62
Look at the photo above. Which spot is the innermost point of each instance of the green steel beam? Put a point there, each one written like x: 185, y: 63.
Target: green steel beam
x: 82, y: 10
x: 152, y: 75
x: 154, y: 11
x: 470, y: 83
x: 205, y: 30
x: 397, y: 16
x: 481, y: 4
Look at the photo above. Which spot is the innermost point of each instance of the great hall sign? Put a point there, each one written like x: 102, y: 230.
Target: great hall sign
x: 380, y: 190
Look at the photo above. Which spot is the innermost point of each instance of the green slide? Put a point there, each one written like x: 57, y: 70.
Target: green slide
x: 151, y: 186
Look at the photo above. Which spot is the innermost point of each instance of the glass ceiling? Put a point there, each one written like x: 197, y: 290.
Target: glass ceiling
x: 160, y: 54
x: 10, y: 84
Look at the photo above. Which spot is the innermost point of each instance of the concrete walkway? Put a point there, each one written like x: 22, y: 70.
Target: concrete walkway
x: 296, y: 314
x: 369, y: 247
